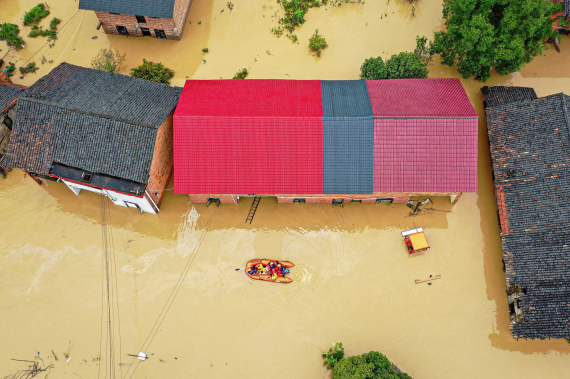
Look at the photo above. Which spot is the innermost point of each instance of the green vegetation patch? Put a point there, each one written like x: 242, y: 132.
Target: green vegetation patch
x: 372, y: 365
x: 109, y: 60
x: 317, y: 43
x: 295, y: 12
x: 155, y: 72
x: 241, y: 74
x: 481, y: 34
x: 36, y: 14
x: 10, y: 69
x: 31, y: 67
x: 334, y: 355
x: 9, y: 33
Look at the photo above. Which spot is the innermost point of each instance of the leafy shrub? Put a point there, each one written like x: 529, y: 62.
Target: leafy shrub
x: 317, y: 43
x: 495, y: 33
x: 109, y: 60
x: 372, y: 365
x: 54, y: 23
x: 36, y: 14
x: 9, y: 33
x: 406, y: 65
x: 155, y: 72
x: 373, y: 69
x: 10, y: 69
x: 334, y: 355
x: 424, y: 49
x: 38, y: 31
x: 205, y: 50
x: 31, y: 67
x: 241, y: 74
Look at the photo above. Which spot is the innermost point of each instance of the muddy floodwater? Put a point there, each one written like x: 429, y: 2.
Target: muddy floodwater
x: 353, y: 282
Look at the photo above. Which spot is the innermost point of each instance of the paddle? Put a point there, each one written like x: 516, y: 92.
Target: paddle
x: 243, y: 268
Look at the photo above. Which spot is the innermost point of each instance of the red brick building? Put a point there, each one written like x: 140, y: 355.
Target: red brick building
x: 163, y: 19
x: 324, y: 141
x: 97, y: 131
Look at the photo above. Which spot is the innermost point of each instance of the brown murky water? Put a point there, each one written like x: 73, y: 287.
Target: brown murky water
x: 353, y: 282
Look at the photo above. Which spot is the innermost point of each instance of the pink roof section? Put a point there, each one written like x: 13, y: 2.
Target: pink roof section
x: 419, y: 98
x: 425, y: 155
x: 425, y: 136
x: 249, y: 137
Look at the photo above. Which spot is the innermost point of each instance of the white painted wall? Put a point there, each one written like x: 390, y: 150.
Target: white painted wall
x: 118, y: 198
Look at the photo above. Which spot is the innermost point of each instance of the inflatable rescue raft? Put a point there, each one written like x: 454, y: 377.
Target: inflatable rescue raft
x: 266, y: 277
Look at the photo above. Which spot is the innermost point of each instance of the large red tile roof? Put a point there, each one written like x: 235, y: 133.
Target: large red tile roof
x: 249, y: 137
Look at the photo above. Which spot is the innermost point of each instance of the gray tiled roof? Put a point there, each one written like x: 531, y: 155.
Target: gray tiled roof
x: 500, y: 95
x: 106, y: 94
x: 151, y: 8
x: 530, y: 149
x: 348, y: 137
x: 92, y: 120
x: 7, y: 95
x: 44, y: 134
x: 566, y: 7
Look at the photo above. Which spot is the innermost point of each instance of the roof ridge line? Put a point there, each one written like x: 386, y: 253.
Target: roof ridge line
x: 31, y: 99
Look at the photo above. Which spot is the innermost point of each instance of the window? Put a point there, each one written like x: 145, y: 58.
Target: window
x: 141, y: 19
x: 113, y: 13
x: 213, y: 200
x: 385, y: 200
x: 298, y: 200
x: 159, y: 33
x: 8, y: 122
x: 336, y: 202
x: 356, y: 201
x: 122, y: 30
x: 86, y: 177
x: 146, y: 32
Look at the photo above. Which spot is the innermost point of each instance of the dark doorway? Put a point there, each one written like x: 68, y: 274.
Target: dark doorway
x: 141, y: 19
x: 146, y: 32
x: 160, y: 33
x: 122, y: 30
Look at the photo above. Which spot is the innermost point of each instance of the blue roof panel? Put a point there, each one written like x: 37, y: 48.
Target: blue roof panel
x: 348, y: 138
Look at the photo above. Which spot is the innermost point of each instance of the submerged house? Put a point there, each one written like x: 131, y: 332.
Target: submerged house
x: 529, y: 140
x: 163, y: 19
x: 324, y: 141
x: 8, y: 95
x: 97, y: 131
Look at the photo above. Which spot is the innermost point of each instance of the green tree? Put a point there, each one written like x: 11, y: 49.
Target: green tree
x: 109, y: 60
x: 334, y: 355
x: 372, y: 365
x: 9, y: 33
x: 406, y: 65
x: 155, y: 72
x: 481, y: 34
x: 373, y: 69
x: 36, y: 14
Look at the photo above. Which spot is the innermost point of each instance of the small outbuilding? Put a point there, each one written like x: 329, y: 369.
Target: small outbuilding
x: 97, y: 131
x: 529, y: 140
x: 329, y: 141
x: 163, y: 19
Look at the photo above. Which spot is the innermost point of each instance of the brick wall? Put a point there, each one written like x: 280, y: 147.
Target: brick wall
x: 399, y: 197
x: 162, y: 162
x: 173, y: 28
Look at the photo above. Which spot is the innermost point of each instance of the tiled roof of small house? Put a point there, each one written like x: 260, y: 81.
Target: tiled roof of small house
x: 7, y: 95
x: 106, y: 94
x: 530, y: 150
x: 500, y: 95
x: 92, y: 120
x: 566, y: 7
x: 151, y: 8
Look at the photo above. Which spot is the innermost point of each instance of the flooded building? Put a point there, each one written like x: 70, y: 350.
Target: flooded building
x: 97, y: 131
x: 324, y: 141
x: 530, y: 149
x: 163, y: 19
x: 9, y: 93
